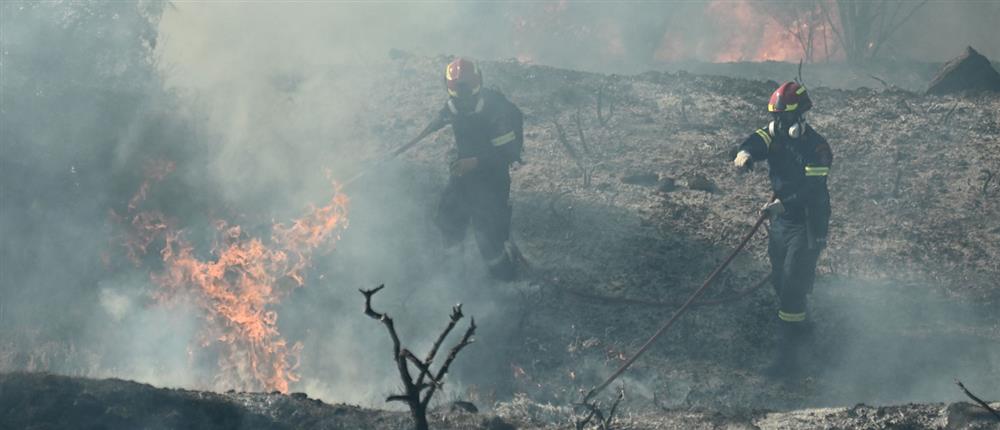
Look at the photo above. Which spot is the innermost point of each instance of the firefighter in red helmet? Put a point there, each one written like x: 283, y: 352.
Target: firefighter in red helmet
x: 488, y: 139
x: 798, y: 160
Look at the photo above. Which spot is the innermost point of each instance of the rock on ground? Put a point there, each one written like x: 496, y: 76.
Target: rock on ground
x: 970, y: 71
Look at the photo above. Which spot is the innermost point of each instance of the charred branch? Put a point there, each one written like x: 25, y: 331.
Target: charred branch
x: 898, y: 180
x: 602, y: 117
x: 595, y: 415
x: 593, y: 412
x: 947, y: 115
x: 425, y: 371
x: 684, y: 102
x: 881, y: 81
x: 614, y: 408
x: 978, y: 400
x: 456, y: 315
x: 412, y: 389
x: 579, y: 129
x: 466, y: 341
x: 561, y: 135
x: 586, y: 168
x: 988, y: 177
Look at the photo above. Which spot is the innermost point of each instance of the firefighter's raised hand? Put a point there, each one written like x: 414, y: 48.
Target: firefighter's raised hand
x: 463, y: 166
x: 773, y: 209
x: 742, y: 161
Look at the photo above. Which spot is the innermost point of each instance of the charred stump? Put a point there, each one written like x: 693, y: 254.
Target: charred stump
x: 417, y: 392
x: 970, y: 71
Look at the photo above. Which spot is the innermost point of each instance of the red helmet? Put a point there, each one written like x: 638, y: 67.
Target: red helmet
x: 789, y: 97
x: 463, y: 78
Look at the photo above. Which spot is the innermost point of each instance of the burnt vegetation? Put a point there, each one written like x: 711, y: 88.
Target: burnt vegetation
x: 916, y: 219
x: 418, y: 391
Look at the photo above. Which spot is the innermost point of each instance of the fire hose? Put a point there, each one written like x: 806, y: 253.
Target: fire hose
x: 677, y: 314
x: 661, y: 304
x: 427, y: 131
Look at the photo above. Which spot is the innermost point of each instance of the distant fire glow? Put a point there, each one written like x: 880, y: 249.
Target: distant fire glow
x: 731, y: 31
x: 746, y: 31
x: 237, y: 283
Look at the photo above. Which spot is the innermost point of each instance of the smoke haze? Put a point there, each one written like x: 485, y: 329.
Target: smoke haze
x: 260, y: 105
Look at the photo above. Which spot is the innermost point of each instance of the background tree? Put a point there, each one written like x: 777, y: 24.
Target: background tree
x: 863, y: 28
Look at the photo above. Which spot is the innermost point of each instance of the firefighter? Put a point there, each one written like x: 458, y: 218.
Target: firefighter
x: 488, y: 138
x: 798, y: 161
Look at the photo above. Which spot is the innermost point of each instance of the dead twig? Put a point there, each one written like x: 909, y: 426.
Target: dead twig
x: 561, y: 135
x: 579, y: 129
x: 988, y: 177
x: 452, y: 354
x: 978, y: 400
x: 585, y: 168
x: 601, y: 118
x: 898, y: 180
x: 594, y: 412
x: 684, y: 102
x: 882, y: 81
x: 894, y: 25
x: 614, y: 407
x: 947, y: 116
x: 456, y: 315
x: 412, y: 389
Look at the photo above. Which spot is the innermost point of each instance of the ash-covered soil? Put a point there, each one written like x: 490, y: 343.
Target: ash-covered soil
x: 644, y: 210
x: 41, y: 401
x: 649, y: 204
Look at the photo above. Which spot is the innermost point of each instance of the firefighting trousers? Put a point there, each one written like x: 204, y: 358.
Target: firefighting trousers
x: 483, y: 202
x: 793, y: 268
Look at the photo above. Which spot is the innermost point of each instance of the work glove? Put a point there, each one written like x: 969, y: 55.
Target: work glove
x: 773, y: 209
x: 463, y: 166
x: 742, y: 161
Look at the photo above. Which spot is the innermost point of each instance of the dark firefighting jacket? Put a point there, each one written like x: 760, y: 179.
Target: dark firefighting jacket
x: 798, y: 168
x: 494, y: 133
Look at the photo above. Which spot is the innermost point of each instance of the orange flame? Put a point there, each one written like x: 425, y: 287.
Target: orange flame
x: 746, y: 31
x: 237, y: 287
x: 721, y: 31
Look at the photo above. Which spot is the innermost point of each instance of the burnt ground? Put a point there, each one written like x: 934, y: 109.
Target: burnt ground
x: 905, y: 302
x: 41, y: 401
x: 907, y: 293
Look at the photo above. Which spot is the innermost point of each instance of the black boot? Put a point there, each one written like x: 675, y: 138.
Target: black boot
x: 788, y: 360
x: 504, y: 267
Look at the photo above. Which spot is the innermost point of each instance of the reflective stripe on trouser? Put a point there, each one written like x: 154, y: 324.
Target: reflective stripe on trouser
x: 793, y: 268
x: 817, y: 170
x: 482, y: 201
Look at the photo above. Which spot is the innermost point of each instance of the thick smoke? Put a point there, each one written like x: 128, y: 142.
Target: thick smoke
x: 259, y: 105
x: 82, y: 110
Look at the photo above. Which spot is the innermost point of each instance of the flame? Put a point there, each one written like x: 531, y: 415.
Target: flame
x: 155, y: 172
x: 144, y: 227
x: 747, y: 31
x: 238, y: 284
x: 722, y: 31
